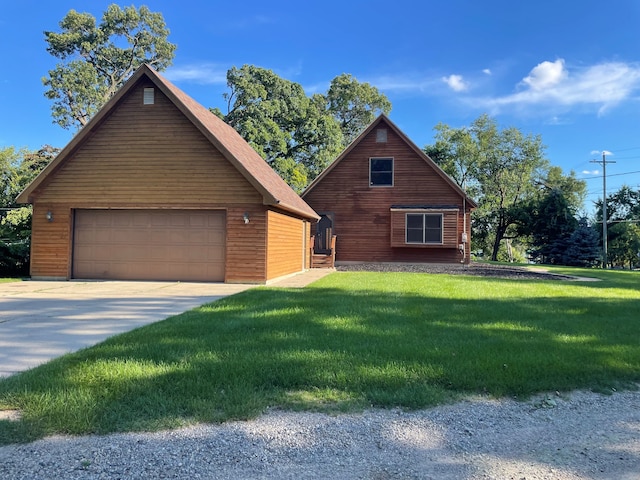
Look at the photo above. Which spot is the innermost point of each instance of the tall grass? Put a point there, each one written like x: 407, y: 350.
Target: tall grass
x: 347, y: 342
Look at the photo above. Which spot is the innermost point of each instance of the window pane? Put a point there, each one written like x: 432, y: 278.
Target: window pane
x: 432, y: 236
x: 414, y: 221
x: 414, y: 235
x: 433, y: 229
x: 381, y: 164
x: 381, y: 179
x: 432, y: 221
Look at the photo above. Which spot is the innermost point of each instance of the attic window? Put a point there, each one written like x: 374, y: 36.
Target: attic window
x: 381, y: 135
x: 148, y: 98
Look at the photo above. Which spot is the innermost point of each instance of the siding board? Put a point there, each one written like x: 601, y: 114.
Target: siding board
x: 285, y: 240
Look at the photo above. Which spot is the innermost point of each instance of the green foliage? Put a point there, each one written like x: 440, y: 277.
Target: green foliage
x: 550, y: 221
x: 623, y: 215
x: 96, y: 59
x: 298, y: 136
x: 289, y: 130
x: 496, y: 166
x: 18, y: 169
x: 582, y: 248
x: 354, y: 105
x: 347, y: 342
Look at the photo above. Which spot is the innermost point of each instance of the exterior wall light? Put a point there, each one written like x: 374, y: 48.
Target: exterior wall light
x: 49, y: 216
x: 245, y: 217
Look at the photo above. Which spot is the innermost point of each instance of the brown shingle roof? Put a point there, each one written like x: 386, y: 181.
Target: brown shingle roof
x: 268, y: 183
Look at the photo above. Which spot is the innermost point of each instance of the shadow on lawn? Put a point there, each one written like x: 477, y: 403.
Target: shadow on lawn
x: 322, y: 349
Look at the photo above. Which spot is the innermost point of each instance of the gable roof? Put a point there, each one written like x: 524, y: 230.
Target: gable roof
x: 233, y: 147
x: 383, y: 118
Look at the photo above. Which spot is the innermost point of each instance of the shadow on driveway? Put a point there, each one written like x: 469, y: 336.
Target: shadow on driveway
x: 43, y: 320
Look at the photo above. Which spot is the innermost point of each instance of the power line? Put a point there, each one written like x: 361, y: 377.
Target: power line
x: 611, y: 174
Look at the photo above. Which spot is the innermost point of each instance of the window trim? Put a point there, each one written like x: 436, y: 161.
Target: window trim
x: 371, y: 185
x: 424, y: 228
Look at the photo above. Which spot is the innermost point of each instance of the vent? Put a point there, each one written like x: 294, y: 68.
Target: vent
x: 381, y: 135
x: 148, y: 98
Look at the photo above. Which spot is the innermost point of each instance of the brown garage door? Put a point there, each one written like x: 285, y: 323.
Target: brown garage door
x: 149, y: 245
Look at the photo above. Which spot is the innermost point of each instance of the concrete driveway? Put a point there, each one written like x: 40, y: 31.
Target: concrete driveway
x: 43, y: 320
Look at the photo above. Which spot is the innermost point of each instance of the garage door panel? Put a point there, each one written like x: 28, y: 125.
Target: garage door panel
x: 149, y: 245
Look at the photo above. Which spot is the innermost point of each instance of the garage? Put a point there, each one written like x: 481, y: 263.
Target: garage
x: 184, y: 245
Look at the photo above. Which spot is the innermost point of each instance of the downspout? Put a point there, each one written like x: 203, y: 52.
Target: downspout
x: 464, y: 224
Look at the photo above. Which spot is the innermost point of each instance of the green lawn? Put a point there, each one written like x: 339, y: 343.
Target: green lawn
x: 347, y: 342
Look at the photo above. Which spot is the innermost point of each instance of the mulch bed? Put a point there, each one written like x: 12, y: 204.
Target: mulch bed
x: 478, y: 269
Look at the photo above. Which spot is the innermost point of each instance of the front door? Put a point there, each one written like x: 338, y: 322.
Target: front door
x: 324, y: 232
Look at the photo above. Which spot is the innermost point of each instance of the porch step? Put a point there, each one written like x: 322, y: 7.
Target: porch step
x: 321, y: 261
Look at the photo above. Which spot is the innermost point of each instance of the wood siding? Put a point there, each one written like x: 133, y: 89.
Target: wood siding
x: 51, y: 241
x: 285, y: 244
x: 246, y: 244
x: 362, y: 221
x: 147, y: 156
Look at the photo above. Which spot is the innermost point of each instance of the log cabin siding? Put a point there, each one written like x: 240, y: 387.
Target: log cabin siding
x: 246, y: 244
x: 285, y: 244
x: 51, y: 241
x: 147, y: 154
x: 362, y: 221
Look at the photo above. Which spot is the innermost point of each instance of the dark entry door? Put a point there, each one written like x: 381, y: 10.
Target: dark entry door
x: 324, y: 231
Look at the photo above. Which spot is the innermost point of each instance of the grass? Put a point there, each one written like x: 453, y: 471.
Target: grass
x: 345, y: 343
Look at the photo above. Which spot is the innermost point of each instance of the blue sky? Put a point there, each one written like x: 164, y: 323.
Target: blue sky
x: 567, y: 70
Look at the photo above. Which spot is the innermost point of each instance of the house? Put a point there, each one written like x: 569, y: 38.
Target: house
x: 156, y: 187
x: 384, y: 200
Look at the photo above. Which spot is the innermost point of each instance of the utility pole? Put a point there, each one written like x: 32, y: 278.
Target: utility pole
x: 604, y: 162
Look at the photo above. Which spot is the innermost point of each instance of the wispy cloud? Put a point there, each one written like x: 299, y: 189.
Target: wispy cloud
x: 554, y: 86
x: 406, y: 83
x: 204, y: 74
x: 456, y: 83
x: 487, y: 71
x: 600, y: 152
x: 590, y: 172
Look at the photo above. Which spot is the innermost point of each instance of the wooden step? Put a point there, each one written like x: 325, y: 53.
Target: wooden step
x: 321, y: 261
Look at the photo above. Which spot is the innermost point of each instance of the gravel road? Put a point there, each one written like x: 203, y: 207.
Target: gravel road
x: 576, y: 436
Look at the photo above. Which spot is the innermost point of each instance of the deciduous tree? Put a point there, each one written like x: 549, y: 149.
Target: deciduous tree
x: 18, y: 168
x: 96, y: 59
x: 498, y: 166
x: 298, y: 135
x: 354, y: 105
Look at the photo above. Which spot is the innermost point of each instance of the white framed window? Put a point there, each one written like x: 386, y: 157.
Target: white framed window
x: 381, y: 172
x: 423, y: 228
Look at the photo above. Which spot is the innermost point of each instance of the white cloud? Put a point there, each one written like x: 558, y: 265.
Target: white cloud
x: 600, y: 152
x: 591, y: 172
x: 205, y: 73
x: 546, y: 75
x: 555, y: 87
x: 456, y: 83
x: 486, y: 71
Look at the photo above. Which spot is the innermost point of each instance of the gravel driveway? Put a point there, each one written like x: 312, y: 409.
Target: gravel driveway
x: 580, y: 436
